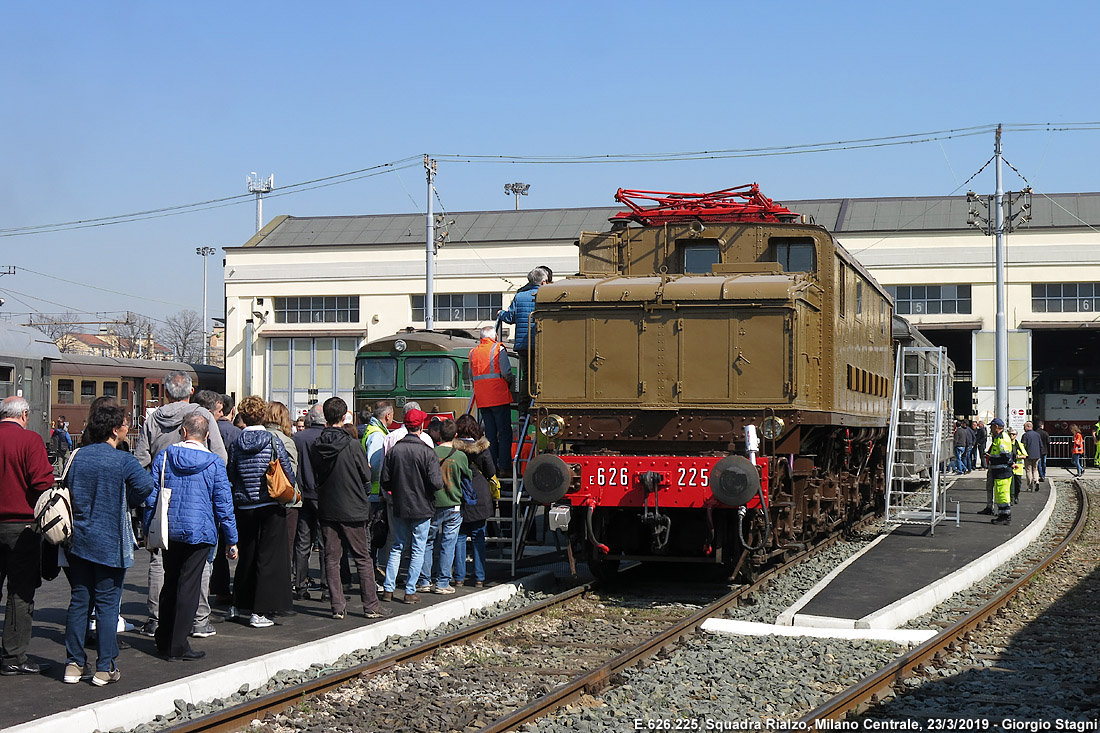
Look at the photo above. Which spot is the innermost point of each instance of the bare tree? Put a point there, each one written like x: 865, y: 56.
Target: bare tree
x: 182, y: 333
x: 135, y: 337
x: 57, y: 328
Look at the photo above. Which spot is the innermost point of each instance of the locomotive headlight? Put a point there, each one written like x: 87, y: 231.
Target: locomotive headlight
x: 551, y: 425
x: 772, y: 427
x: 399, y: 345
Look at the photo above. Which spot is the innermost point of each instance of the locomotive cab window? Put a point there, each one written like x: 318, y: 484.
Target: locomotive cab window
x: 794, y: 254
x: 697, y: 256
x: 376, y: 374
x: 431, y: 373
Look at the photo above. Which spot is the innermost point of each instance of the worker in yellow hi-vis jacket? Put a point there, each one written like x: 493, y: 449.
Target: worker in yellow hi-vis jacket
x: 1001, y: 462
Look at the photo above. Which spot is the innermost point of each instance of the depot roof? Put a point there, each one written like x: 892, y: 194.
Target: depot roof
x: 847, y: 215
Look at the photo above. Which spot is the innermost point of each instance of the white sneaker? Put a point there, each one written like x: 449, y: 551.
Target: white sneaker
x: 257, y: 621
x: 124, y: 625
x: 74, y: 674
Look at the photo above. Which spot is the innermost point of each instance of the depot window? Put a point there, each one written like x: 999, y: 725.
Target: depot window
x: 1065, y: 297
x: 919, y: 300
x: 794, y: 254
x: 317, y: 309
x: 307, y: 371
x: 468, y: 307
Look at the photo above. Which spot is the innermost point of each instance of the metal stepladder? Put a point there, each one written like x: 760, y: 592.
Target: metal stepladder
x: 517, y: 513
x: 915, y: 493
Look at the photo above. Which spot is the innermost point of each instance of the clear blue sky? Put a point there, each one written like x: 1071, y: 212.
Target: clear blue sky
x: 112, y: 108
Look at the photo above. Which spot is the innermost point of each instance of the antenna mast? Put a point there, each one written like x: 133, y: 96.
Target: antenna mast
x: 259, y: 186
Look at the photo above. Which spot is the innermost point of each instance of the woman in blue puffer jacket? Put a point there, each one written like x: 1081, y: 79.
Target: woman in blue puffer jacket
x: 262, y: 581
x: 201, y: 503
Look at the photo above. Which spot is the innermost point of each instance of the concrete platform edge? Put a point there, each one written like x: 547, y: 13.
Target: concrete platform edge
x: 754, y: 628
x: 924, y: 600
x: 791, y: 617
x: 133, y: 709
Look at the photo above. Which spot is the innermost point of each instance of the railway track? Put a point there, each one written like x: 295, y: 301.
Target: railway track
x: 569, y: 672
x: 1025, y: 655
x: 524, y: 664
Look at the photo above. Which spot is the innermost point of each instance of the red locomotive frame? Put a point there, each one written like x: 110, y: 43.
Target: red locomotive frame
x: 616, y: 481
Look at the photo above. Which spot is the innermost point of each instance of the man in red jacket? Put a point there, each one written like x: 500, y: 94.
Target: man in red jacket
x: 25, y: 472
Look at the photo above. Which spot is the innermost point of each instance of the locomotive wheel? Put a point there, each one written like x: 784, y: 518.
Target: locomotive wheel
x: 604, y: 568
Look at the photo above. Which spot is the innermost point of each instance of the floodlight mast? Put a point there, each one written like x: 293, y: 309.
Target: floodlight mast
x: 203, y: 252
x: 516, y: 189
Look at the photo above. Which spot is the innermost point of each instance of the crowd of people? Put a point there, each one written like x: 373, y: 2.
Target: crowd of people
x: 369, y: 492
x: 1015, y: 462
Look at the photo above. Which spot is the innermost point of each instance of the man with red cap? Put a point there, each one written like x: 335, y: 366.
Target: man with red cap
x: 410, y: 478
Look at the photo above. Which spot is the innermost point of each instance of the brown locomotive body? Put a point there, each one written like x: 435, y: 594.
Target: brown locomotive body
x: 682, y: 329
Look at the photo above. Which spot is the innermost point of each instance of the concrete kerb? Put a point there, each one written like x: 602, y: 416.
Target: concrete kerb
x: 924, y: 600
x: 133, y: 709
x: 754, y: 628
x: 791, y: 617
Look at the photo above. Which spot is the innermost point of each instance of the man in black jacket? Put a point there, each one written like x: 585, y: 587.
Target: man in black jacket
x: 342, y: 478
x: 410, y: 478
x: 309, y: 525
x: 1044, y: 438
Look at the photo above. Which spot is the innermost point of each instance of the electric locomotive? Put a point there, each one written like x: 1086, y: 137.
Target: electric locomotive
x: 714, y: 384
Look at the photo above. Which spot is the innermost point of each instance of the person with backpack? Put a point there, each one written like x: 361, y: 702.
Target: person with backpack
x: 62, y: 442
x: 471, y: 441
x: 443, y: 535
x: 25, y: 472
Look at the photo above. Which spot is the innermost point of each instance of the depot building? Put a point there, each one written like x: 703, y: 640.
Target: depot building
x: 305, y: 292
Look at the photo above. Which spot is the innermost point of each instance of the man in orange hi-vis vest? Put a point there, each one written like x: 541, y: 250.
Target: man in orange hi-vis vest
x: 492, y: 372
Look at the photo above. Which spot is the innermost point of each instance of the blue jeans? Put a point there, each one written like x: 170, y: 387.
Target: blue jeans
x: 960, y: 464
x: 101, y: 585
x: 1077, y: 459
x: 1043, y: 467
x: 498, y: 429
x: 478, y: 536
x: 413, y: 534
x: 441, y: 539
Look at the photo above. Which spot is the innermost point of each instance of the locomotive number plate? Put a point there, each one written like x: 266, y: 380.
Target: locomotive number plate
x: 693, y: 476
x: 684, y: 481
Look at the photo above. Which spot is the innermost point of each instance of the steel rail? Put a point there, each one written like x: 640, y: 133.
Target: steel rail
x: 856, y: 698
x: 596, y: 679
x: 231, y: 718
x: 235, y: 717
